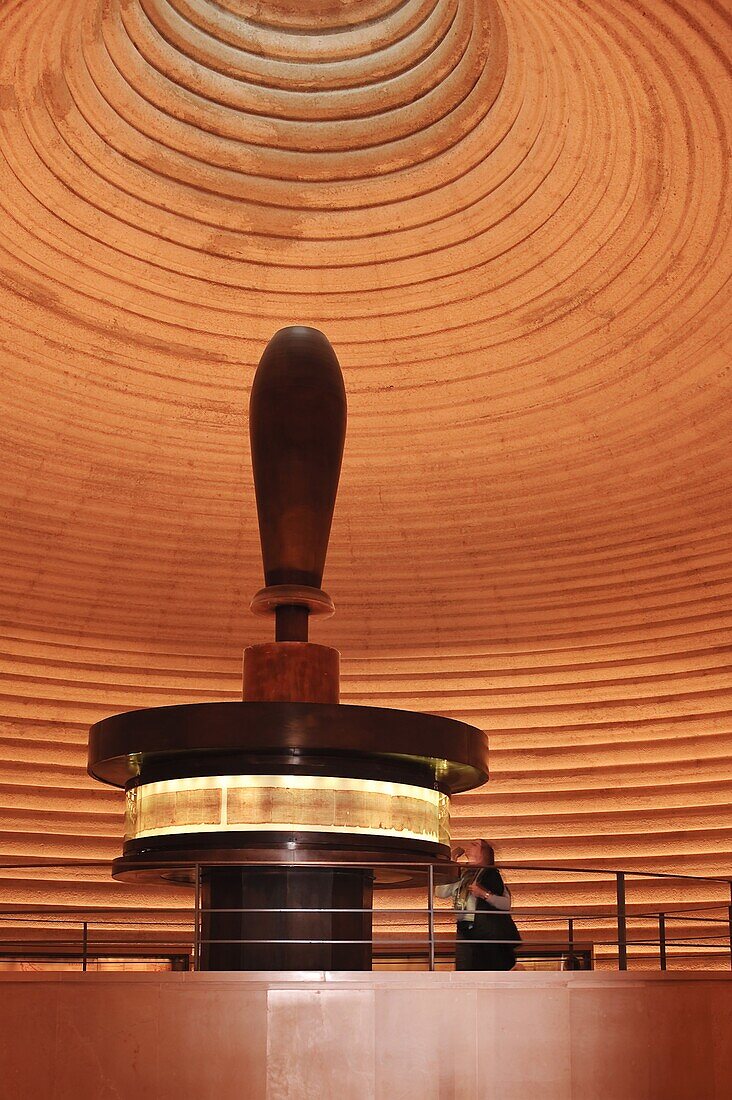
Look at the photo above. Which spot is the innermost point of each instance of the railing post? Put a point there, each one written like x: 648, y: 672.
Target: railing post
x: 84, y: 945
x: 662, y: 939
x: 197, y: 918
x: 622, y: 941
x: 431, y: 912
x: 729, y: 918
x: 570, y: 943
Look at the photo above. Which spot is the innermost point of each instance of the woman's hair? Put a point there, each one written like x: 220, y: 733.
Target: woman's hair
x: 489, y: 856
x: 470, y: 875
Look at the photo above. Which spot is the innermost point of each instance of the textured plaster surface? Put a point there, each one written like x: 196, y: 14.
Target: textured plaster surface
x: 512, y: 222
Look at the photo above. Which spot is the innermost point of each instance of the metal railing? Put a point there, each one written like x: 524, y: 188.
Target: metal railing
x: 611, y: 930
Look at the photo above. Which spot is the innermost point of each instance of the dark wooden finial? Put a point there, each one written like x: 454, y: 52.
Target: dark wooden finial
x: 297, y: 427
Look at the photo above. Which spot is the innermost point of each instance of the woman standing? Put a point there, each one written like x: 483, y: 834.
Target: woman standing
x: 483, y: 909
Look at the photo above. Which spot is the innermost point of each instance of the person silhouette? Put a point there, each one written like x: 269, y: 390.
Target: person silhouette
x: 486, y: 932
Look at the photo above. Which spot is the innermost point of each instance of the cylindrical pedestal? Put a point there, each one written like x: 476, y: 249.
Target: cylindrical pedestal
x: 231, y: 904
x: 286, y: 672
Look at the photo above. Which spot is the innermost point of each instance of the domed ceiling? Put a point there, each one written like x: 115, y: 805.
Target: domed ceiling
x: 512, y: 222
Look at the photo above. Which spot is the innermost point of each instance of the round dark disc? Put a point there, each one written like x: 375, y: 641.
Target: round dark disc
x: 183, y: 739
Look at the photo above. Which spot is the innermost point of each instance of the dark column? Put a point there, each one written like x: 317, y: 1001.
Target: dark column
x: 293, y: 890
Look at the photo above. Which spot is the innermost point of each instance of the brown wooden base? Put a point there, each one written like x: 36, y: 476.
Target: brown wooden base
x: 532, y: 1036
x: 312, y: 931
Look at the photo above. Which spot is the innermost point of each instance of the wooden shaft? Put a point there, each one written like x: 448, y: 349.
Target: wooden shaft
x: 291, y: 623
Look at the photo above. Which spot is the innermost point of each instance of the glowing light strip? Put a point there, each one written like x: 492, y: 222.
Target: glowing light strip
x: 292, y: 782
x: 201, y: 804
x: 285, y: 827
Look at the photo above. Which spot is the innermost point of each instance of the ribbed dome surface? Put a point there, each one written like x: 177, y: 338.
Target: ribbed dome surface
x: 512, y: 222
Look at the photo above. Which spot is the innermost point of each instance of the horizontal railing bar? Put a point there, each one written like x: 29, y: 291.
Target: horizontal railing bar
x: 446, y: 916
x: 330, y: 909
x: 23, y: 947
x: 83, y: 920
x: 525, y: 947
x: 137, y: 960
x: 381, y: 864
x: 25, y: 916
x: 609, y: 871
x: 680, y: 912
x: 421, y: 943
x: 113, y: 950
x: 395, y: 937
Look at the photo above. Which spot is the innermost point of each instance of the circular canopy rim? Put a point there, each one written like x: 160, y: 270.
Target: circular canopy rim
x: 118, y: 745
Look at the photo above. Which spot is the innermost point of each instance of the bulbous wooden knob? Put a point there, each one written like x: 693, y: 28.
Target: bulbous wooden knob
x: 297, y: 427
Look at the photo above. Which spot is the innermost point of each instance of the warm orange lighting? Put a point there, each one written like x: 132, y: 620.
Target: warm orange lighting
x: 512, y: 221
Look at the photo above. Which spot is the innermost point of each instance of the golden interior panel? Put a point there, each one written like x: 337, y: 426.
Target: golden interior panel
x: 221, y: 803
